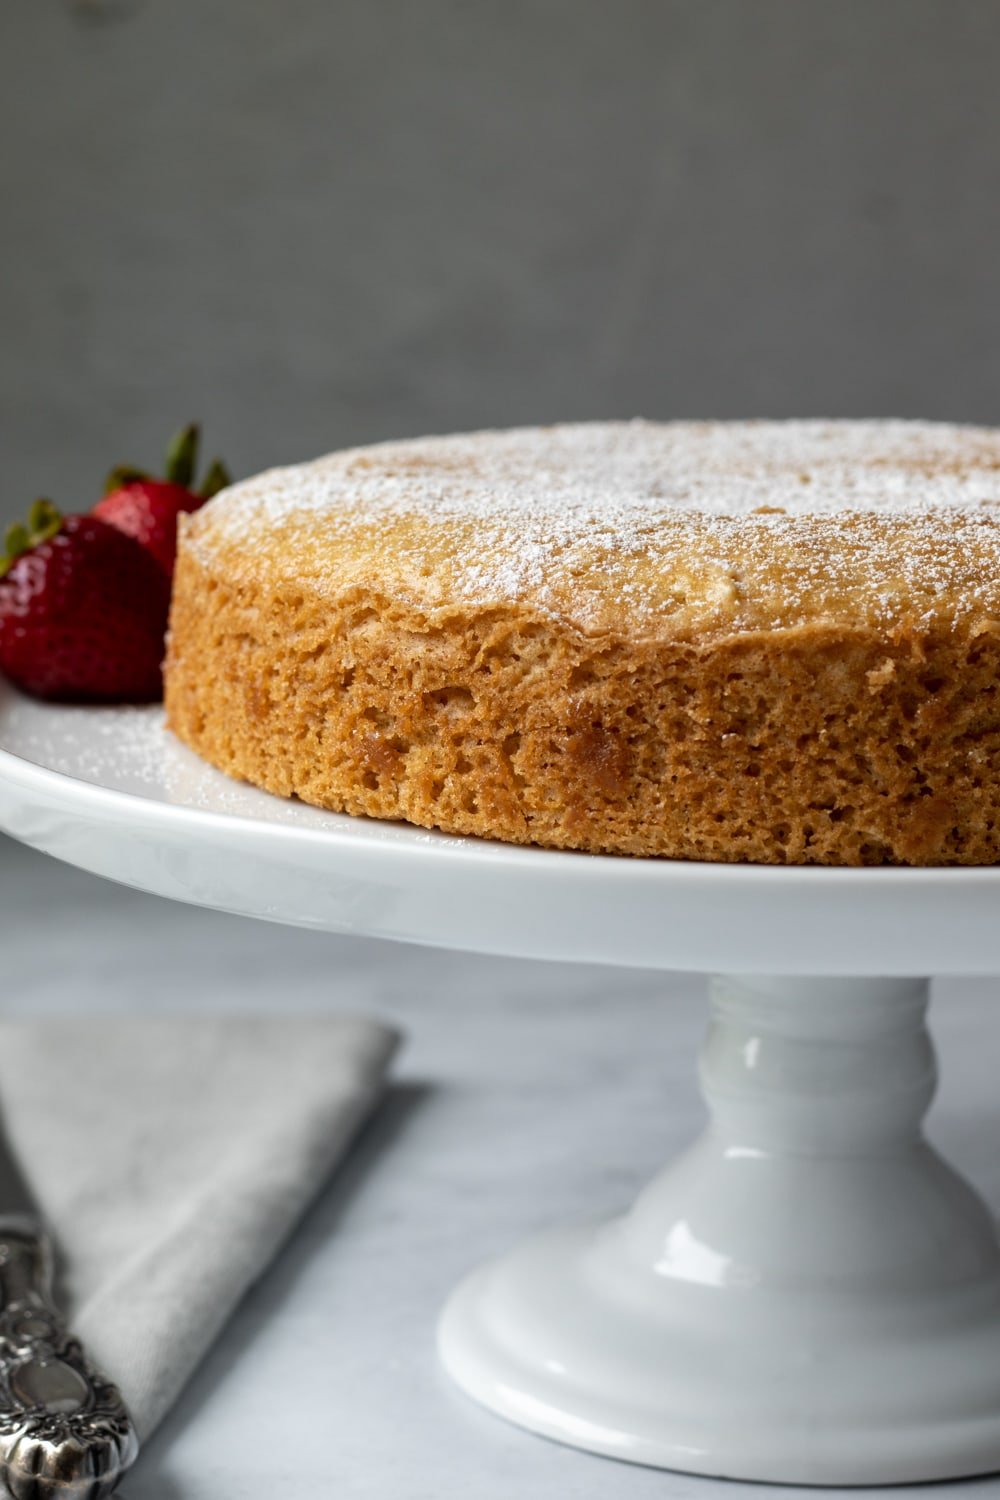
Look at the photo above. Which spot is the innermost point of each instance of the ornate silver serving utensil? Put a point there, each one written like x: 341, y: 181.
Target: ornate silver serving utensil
x: 65, y: 1433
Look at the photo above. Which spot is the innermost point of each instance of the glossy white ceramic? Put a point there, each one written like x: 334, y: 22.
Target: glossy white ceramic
x: 808, y: 1295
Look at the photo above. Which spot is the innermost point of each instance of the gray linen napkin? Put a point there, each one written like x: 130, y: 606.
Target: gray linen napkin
x: 170, y: 1159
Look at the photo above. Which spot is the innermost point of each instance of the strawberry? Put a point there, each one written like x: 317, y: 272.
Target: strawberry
x: 83, y: 610
x: 147, y: 509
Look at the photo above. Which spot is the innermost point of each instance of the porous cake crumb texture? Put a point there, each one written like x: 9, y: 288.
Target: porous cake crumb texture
x: 763, y: 642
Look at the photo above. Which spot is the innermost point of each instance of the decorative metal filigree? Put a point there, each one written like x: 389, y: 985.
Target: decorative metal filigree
x: 64, y: 1429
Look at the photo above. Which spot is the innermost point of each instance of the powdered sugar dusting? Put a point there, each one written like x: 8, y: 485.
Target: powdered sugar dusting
x: 616, y: 474
x: 890, y: 511
x: 128, y: 749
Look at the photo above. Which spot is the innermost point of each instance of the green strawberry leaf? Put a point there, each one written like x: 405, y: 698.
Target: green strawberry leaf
x: 182, y: 456
x: 44, y: 520
x: 217, y: 478
x: 122, y: 475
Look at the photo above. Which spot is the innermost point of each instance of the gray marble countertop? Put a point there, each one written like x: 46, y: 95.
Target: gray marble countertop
x: 525, y: 1094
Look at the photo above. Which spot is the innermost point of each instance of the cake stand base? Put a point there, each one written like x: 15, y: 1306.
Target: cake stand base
x: 808, y: 1295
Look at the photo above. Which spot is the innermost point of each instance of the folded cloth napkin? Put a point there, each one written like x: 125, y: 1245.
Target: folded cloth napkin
x: 170, y: 1159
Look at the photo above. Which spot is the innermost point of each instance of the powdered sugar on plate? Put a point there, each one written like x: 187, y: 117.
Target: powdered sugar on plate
x: 128, y: 749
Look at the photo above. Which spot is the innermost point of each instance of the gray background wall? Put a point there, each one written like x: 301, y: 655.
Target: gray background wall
x: 314, y: 222
x: 317, y: 222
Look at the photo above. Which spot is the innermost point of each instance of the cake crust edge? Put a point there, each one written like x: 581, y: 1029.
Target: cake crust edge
x: 827, y: 743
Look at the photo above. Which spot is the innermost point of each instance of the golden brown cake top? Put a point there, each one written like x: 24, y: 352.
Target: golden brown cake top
x: 679, y: 530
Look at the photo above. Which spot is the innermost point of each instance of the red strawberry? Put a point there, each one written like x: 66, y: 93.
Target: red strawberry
x: 147, y: 511
x: 147, y: 508
x: 83, y: 611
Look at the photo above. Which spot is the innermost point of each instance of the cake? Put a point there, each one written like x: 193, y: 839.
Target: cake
x: 775, y: 642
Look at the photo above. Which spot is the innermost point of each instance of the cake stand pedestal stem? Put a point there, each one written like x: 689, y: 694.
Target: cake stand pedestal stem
x: 809, y: 1294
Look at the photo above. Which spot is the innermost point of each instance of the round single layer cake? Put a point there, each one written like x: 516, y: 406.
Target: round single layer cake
x: 763, y: 641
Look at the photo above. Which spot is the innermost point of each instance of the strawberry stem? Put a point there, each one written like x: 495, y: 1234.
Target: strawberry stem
x: 181, y: 468
x: 122, y: 475
x: 16, y: 540
x: 216, y: 478
x: 182, y: 456
x: 44, y: 520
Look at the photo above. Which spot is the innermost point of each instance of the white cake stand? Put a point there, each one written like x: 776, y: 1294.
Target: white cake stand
x: 810, y: 1294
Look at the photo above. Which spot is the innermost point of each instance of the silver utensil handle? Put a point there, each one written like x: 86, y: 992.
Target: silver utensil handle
x: 65, y: 1433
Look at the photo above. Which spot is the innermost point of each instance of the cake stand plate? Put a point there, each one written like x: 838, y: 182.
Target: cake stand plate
x: 809, y: 1294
